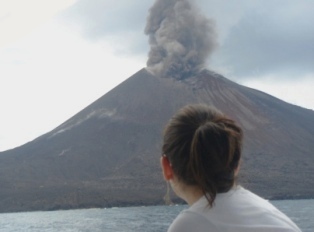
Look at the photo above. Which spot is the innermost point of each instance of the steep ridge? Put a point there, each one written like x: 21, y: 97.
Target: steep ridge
x: 108, y: 154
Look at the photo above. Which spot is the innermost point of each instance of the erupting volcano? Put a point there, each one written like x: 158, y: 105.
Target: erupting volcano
x: 108, y: 153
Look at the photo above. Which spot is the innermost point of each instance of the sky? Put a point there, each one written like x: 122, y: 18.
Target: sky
x: 59, y: 56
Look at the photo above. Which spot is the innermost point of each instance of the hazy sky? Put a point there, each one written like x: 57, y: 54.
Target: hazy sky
x: 58, y: 56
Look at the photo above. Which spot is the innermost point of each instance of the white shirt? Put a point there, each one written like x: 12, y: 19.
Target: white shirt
x: 238, y: 210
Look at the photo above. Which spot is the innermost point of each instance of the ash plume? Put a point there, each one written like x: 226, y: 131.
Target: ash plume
x: 181, y: 39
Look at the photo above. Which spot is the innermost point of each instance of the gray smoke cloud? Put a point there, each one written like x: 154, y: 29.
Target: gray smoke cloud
x: 181, y: 39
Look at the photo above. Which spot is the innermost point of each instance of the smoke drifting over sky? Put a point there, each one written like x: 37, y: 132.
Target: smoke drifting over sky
x: 181, y: 39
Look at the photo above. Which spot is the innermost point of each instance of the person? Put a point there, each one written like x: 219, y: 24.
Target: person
x: 201, y: 159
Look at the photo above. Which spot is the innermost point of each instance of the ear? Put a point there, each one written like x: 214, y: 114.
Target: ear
x: 236, y: 171
x: 166, y: 168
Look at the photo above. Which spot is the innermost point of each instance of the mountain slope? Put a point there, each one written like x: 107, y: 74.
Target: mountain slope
x: 108, y: 154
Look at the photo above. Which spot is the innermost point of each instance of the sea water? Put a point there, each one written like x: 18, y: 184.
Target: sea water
x: 146, y: 219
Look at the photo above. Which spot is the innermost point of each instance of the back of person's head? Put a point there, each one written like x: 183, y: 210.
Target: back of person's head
x: 204, y: 149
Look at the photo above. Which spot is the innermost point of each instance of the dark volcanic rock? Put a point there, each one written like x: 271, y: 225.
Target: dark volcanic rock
x: 108, y: 154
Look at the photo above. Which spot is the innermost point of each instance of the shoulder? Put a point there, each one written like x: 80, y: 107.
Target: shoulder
x: 188, y: 221
x: 262, y: 211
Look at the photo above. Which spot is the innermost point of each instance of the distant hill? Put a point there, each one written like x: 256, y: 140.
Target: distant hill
x: 108, y: 154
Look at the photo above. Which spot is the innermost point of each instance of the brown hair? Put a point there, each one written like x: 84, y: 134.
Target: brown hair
x: 204, y: 149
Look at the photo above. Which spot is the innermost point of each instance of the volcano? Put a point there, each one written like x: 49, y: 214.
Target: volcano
x: 108, y: 153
